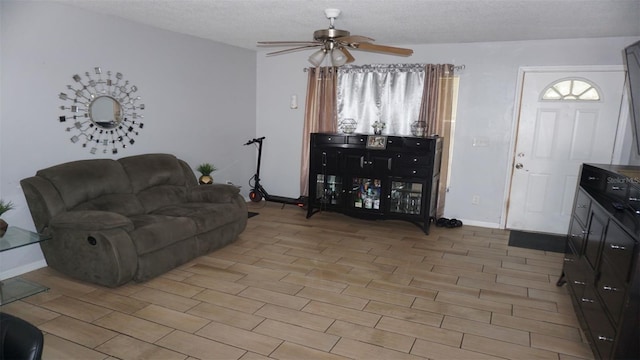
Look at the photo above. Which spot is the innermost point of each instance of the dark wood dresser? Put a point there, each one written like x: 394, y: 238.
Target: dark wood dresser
x: 601, y: 259
x: 375, y: 177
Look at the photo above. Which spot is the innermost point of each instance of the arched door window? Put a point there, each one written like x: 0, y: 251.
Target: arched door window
x: 571, y: 89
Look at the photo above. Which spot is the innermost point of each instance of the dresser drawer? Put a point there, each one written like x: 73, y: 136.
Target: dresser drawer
x: 634, y: 198
x: 600, y: 328
x: 418, y: 143
x: 617, y: 187
x: 357, y: 140
x: 618, y: 250
x: 576, y: 235
x: 593, y: 179
x: 410, y: 160
x: 412, y: 171
x: 582, y: 206
x: 322, y: 139
x: 612, y: 289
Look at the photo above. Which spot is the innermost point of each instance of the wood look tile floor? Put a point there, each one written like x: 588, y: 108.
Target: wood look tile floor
x: 328, y: 287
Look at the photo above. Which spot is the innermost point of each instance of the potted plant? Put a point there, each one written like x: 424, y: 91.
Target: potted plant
x: 4, y: 207
x: 378, y: 126
x: 206, y: 169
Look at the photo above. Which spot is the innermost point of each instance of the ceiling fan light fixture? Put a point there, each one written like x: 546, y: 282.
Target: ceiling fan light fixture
x: 318, y: 57
x: 338, y: 58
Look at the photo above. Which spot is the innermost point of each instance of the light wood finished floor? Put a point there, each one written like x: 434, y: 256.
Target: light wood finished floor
x: 328, y: 287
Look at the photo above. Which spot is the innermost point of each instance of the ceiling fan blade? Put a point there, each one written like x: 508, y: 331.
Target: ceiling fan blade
x: 346, y: 53
x: 383, y: 49
x: 286, y: 43
x: 354, y: 39
x: 286, y: 51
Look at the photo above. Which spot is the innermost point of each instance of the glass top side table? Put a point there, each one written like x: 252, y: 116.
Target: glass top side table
x: 17, y: 288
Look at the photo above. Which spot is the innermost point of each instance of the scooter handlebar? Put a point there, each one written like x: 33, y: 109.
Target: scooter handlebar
x: 254, y: 140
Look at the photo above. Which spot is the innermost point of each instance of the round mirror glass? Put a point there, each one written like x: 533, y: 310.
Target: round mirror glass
x: 105, y: 112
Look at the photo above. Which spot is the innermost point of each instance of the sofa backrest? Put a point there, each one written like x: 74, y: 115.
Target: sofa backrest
x: 99, y: 184
x: 129, y: 186
x: 157, y: 179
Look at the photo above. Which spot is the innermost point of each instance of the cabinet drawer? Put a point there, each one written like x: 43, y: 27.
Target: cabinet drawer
x: 394, y: 143
x: 617, y: 187
x: 602, y: 331
x: 410, y: 160
x: 612, y: 289
x: 357, y: 140
x: 618, y: 250
x: 582, y: 206
x: 575, y: 270
x: 634, y: 198
x: 413, y: 171
x: 576, y: 236
x: 330, y: 139
x: 417, y: 143
x: 593, y: 179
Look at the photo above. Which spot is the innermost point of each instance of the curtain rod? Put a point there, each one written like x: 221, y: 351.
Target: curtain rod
x: 455, y: 67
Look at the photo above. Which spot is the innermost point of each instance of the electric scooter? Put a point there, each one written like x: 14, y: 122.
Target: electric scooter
x: 258, y: 192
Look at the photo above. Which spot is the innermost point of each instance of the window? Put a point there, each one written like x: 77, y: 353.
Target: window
x: 571, y: 89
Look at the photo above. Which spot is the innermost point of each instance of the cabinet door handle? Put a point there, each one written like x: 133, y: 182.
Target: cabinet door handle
x: 616, y: 188
x: 604, y: 338
x: 569, y: 260
x: 591, y: 178
x: 361, y: 162
x: 609, y: 288
x: 576, y: 282
x: 324, y: 159
x: 618, y: 247
x: 586, y: 300
x: 389, y: 164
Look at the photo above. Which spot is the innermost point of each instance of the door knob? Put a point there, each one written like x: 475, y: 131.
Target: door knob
x: 519, y: 166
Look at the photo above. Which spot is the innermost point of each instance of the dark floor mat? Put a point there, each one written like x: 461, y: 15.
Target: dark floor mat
x: 252, y: 214
x: 537, y: 241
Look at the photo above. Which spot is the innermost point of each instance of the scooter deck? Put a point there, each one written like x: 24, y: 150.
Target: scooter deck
x: 285, y: 200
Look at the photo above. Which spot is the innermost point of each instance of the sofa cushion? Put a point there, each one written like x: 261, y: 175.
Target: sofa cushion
x: 207, y: 216
x: 80, y: 181
x: 123, y: 204
x: 154, y: 232
x: 147, y: 171
x: 157, y: 179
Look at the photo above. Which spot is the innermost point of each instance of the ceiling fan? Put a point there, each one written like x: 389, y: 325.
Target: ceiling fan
x: 335, y: 43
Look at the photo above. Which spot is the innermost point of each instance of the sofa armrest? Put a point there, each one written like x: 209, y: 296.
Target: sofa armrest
x: 213, y: 193
x: 93, y: 246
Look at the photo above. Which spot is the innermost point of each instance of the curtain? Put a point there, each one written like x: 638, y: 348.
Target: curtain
x: 320, y: 114
x: 388, y: 93
x: 437, y: 111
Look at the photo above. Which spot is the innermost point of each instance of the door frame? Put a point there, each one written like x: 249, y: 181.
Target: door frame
x: 622, y: 122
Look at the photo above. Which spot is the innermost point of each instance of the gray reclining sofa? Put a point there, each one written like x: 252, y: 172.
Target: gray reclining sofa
x: 112, y: 221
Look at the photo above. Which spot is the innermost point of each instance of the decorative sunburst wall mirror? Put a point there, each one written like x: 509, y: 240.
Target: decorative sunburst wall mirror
x: 104, y: 110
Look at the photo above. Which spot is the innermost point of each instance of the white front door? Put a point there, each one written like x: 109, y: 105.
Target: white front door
x: 556, y: 134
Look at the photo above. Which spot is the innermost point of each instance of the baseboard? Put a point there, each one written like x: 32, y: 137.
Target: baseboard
x: 480, y: 224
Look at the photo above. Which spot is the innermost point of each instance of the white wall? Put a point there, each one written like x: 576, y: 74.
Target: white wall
x: 200, y: 98
x: 485, y: 109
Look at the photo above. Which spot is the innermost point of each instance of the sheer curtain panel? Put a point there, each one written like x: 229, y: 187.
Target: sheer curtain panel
x: 320, y: 114
x: 390, y: 93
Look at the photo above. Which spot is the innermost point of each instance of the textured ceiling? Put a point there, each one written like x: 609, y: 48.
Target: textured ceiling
x: 391, y: 22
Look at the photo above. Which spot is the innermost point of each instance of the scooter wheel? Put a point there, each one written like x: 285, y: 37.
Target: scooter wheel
x: 255, y: 196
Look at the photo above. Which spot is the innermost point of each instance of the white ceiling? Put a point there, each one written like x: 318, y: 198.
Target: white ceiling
x: 392, y: 22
